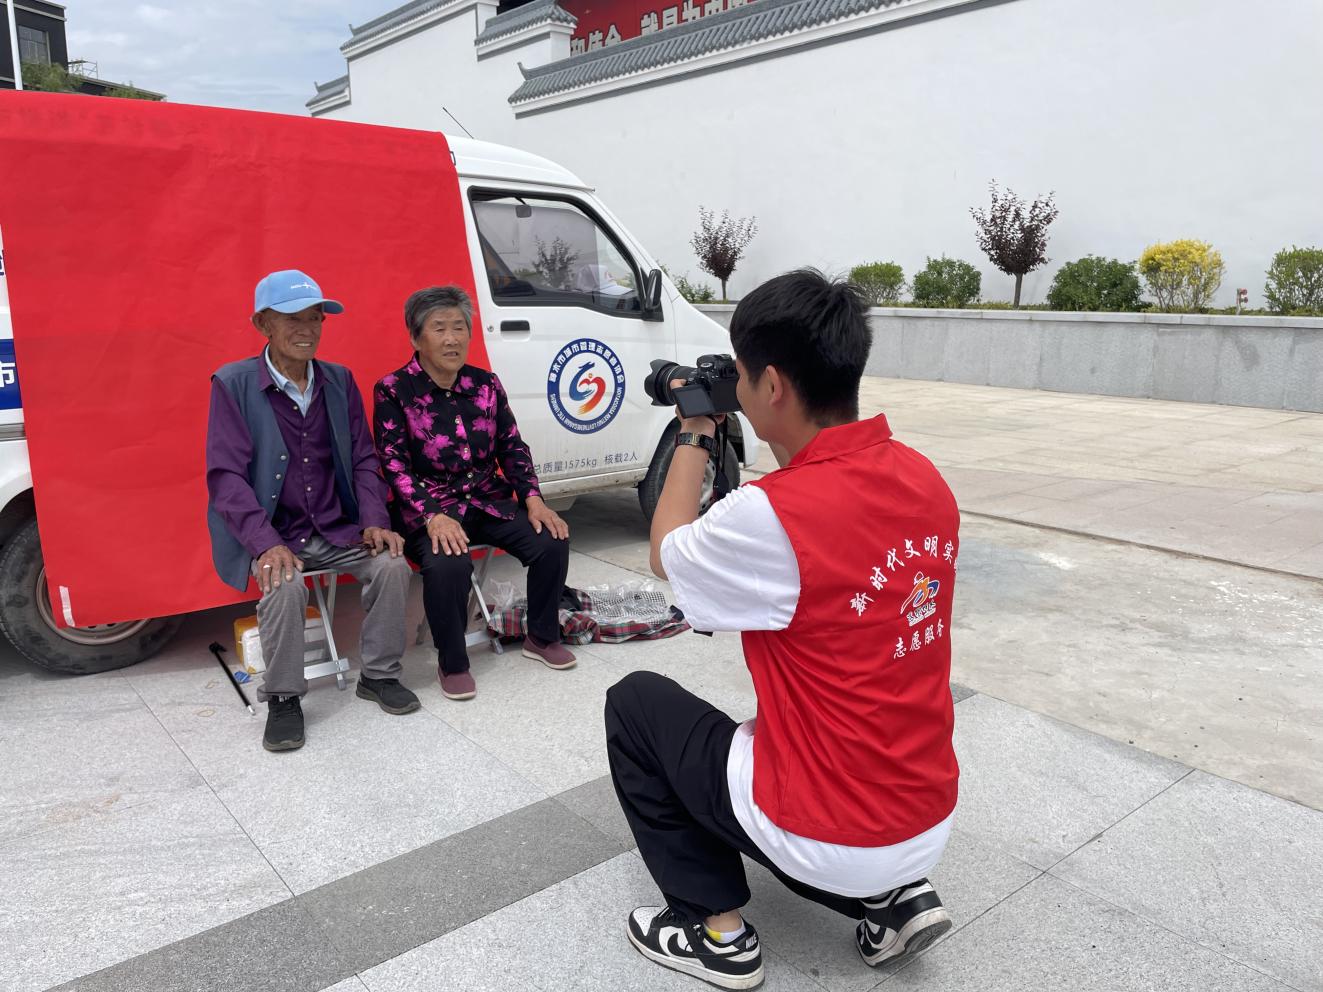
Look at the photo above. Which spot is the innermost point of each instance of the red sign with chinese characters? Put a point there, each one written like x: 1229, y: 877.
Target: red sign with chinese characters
x: 603, y: 23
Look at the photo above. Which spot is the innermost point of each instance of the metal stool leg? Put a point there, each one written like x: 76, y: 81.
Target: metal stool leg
x: 479, y: 577
x: 335, y: 665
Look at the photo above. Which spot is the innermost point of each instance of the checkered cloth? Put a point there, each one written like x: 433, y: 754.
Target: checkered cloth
x: 601, y: 615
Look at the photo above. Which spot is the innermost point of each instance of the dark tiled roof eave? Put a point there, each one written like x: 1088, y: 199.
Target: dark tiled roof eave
x: 391, y: 19
x: 529, y: 15
x: 756, y: 21
x: 327, y: 90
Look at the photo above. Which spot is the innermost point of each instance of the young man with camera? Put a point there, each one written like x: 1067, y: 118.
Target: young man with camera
x: 839, y: 570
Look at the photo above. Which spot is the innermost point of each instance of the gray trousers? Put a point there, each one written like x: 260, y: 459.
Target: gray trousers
x: 280, y: 616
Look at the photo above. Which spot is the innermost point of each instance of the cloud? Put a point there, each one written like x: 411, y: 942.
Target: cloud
x: 151, y: 15
x: 229, y: 53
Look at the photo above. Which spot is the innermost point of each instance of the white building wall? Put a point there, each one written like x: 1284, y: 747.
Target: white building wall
x: 407, y: 82
x: 1151, y: 121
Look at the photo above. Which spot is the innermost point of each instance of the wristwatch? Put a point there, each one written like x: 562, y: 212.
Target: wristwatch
x: 696, y: 441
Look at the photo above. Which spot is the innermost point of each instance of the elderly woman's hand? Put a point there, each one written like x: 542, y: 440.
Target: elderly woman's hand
x: 540, y: 515
x: 447, y: 535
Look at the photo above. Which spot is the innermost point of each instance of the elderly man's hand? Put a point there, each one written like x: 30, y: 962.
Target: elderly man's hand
x: 378, y: 539
x: 276, y: 565
x: 540, y: 515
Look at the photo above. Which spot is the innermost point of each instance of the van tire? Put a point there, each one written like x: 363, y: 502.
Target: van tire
x: 25, y: 613
x: 651, y: 487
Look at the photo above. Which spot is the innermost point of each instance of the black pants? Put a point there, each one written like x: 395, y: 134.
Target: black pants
x: 668, y: 750
x: 447, y: 578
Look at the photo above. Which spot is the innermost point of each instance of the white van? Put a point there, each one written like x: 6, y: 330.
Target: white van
x: 573, y: 310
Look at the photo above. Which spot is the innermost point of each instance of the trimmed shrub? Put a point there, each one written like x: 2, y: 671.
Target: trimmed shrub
x: 947, y: 282
x: 880, y: 282
x: 1093, y: 283
x: 1183, y: 275
x: 1295, y: 281
x: 694, y: 292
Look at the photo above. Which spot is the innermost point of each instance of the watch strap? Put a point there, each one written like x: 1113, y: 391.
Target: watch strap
x: 696, y: 441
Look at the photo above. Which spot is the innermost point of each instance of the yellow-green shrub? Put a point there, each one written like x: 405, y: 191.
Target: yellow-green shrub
x: 1182, y: 275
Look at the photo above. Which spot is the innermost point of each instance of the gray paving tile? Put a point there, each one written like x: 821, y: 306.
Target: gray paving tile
x: 548, y: 724
x: 18, y: 675
x: 1234, y: 869
x: 278, y: 949
x: 367, y: 786
x: 1037, y: 788
x: 354, y: 984
x: 971, y: 878
x: 597, y: 803
x: 398, y: 905
x: 571, y: 936
x: 1216, y: 666
x: 959, y: 692
x: 1050, y: 936
x: 88, y: 752
x: 95, y: 891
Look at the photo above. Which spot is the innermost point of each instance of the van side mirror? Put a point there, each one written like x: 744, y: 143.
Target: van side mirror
x: 652, y: 292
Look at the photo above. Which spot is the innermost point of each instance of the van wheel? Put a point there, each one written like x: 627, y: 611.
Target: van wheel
x: 651, y: 486
x: 28, y: 620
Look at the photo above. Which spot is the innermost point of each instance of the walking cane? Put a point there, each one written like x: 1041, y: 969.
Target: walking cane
x: 216, y: 649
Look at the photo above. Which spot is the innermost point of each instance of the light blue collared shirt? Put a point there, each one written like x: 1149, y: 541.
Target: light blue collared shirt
x: 288, y: 386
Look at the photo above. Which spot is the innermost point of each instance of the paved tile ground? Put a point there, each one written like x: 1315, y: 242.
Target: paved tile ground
x: 1236, y: 483
x: 1138, y: 732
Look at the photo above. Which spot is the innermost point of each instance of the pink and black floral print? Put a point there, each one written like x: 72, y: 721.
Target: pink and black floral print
x: 450, y: 450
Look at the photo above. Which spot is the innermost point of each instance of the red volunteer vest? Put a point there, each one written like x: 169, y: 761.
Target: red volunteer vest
x: 853, y: 740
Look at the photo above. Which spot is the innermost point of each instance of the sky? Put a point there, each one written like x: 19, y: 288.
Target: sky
x: 252, y: 54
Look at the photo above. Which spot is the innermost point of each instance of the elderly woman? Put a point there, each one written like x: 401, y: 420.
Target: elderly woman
x: 444, y: 430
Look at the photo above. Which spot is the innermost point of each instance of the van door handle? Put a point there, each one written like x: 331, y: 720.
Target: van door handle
x: 515, y: 325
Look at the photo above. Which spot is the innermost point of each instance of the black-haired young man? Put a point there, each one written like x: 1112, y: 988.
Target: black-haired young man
x: 839, y: 569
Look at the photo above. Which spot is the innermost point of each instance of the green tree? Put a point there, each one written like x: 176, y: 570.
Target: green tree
x: 48, y: 77
x: 131, y: 92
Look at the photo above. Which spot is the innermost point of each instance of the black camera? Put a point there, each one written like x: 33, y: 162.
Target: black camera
x: 709, y: 388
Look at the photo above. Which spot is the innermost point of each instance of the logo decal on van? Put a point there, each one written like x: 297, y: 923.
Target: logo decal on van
x: 585, y: 386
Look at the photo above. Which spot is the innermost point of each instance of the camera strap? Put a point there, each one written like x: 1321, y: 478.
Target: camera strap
x: 720, y: 481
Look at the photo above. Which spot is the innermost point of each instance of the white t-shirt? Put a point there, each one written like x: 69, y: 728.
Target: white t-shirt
x: 734, y: 569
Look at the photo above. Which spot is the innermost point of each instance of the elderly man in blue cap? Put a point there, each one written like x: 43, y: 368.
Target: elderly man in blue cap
x: 293, y: 483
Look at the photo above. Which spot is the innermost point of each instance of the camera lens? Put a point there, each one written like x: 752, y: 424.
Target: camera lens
x: 658, y: 383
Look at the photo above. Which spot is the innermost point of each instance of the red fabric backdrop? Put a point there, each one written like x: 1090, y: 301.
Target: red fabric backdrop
x: 134, y: 235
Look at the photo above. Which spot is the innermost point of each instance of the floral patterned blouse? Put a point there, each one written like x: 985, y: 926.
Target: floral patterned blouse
x: 450, y: 450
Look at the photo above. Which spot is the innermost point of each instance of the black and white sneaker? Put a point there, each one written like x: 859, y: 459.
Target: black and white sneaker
x: 903, y: 921
x: 660, y: 935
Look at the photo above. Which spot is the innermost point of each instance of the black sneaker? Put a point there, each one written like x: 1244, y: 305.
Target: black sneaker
x: 660, y: 935
x: 387, y: 693
x: 903, y: 921
x: 284, y: 724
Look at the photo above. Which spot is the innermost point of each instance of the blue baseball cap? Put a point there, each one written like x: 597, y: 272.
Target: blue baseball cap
x: 289, y: 291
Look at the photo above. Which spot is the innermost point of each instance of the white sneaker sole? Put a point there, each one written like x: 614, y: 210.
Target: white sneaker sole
x: 534, y: 656
x: 696, y: 970
x: 916, y: 935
